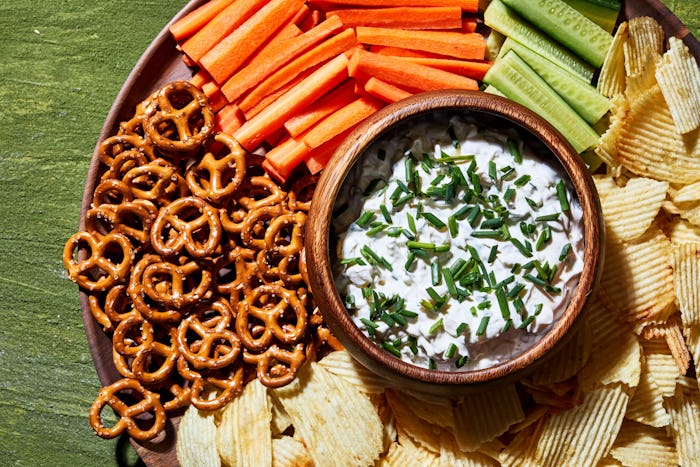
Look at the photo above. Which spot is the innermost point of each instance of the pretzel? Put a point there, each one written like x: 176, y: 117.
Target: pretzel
x: 231, y: 271
x: 107, y: 263
x: 256, y: 224
x: 148, y: 409
x: 256, y: 192
x: 276, y: 267
x: 97, y: 310
x: 282, y: 240
x: 219, y: 173
x: 275, y: 366
x: 227, y: 383
x: 148, y: 308
x: 155, y: 363
x: 187, y: 224
x: 110, y: 192
x: 134, y: 220
x: 158, y: 181
x: 272, y: 306
x: 301, y: 192
x: 175, y: 285
x: 181, y: 120
x: 125, y: 161
x: 110, y: 148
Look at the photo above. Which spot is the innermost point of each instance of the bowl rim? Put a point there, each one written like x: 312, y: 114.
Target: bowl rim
x: 346, y: 155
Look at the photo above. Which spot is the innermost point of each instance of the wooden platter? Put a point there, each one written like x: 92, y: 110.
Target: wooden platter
x: 162, y: 63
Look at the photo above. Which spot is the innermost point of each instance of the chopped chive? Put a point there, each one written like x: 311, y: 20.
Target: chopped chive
x: 453, y: 226
x: 522, y: 181
x: 515, y: 291
x: 534, y: 280
x: 364, y: 220
x: 516, y: 268
x: 350, y: 301
x: 449, y: 281
x: 461, y: 361
x: 420, y: 245
x: 437, y: 325
x: 386, y: 317
x: 487, y: 234
x: 355, y: 261
x: 434, y: 220
x: 527, y: 322
x: 391, y: 348
x: 410, y: 257
x: 368, y: 252
x: 494, y: 223
x: 564, y: 252
x: 369, y: 324
x: 552, y: 289
x: 561, y: 194
x: 408, y: 313
x: 473, y: 215
x: 508, y: 195
x: 484, y: 305
x: 507, y: 326
x: 538, y: 309
x: 462, y: 212
x: 482, y: 325
x: 435, y: 273
x: 461, y: 328
x: 492, y: 254
x: 444, y: 248
x: 432, y: 364
x: 514, y: 151
x: 493, y: 175
x: 376, y: 229
x: 532, y: 203
x: 433, y: 294
x: 385, y: 213
x: 547, y: 217
x: 476, y: 182
x: 404, y: 199
x: 396, y: 193
x: 446, y: 158
x: 411, y: 223
x: 541, y: 240
x: 502, y: 303
x: 473, y: 311
x: 412, y: 345
x: 437, y: 179
x: 451, y: 351
x: 410, y: 168
x: 399, y: 319
x: 552, y: 273
x: 518, y: 244
x: 505, y: 282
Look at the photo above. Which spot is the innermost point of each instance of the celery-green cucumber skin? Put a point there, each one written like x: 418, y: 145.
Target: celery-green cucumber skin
x: 493, y: 90
x: 512, y: 44
x: 604, y: 14
x: 583, y: 97
x: 504, y: 20
x: 513, y: 77
x: 567, y: 26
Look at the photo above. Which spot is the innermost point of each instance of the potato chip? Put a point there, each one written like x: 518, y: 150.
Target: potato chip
x: 629, y: 211
x: 408, y: 423
x: 401, y: 455
x: 437, y: 411
x: 196, y: 439
x: 288, y: 451
x: 646, y: 405
x: 645, y: 37
x: 684, y: 408
x: 337, y: 423
x: 558, y: 396
x: 244, y: 435
x: 615, y: 352
x: 280, y: 418
x: 686, y: 279
x: 649, y: 144
x: 637, y: 282
x: 639, y: 444
x: 608, y: 461
x: 611, y: 80
x: 692, y: 340
x: 521, y: 451
x: 638, y: 83
x: 452, y: 456
x: 686, y: 194
x: 681, y: 231
x: 679, y: 78
x: 690, y: 212
x: 567, y: 359
x: 584, y: 434
x: 341, y: 363
x: 386, y: 416
x: 661, y: 364
x: 482, y: 416
x: 607, y: 144
x: 671, y: 332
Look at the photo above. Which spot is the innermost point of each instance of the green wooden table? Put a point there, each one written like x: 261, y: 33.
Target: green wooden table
x: 61, y: 66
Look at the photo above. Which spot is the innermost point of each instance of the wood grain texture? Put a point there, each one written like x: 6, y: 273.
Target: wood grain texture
x: 63, y: 64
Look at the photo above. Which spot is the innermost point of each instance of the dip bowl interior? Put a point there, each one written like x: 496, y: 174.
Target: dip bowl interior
x: 494, y: 112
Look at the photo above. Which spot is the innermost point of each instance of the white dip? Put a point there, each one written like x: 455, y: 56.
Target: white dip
x: 453, y: 254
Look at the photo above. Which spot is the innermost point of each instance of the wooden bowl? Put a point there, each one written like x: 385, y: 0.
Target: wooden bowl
x: 319, y: 231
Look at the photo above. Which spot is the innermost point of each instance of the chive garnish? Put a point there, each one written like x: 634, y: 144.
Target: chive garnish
x: 408, y: 313
x: 436, y: 326
x: 482, y: 325
x: 493, y: 175
x: 507, y: 326
x: 508, y: 195
x: 534, y: 280
x: 527, y: 322
x: 522, y: 181
x: 515, y: 291
x: 449, y: 281
x: 420, y: 245
x: 364, y: 220
x: 446, y: 158
x: 391, y: 348
x: 369, y: 324
x: 561, y: 194
x: 473, y: 215
x: 514, y: 151
x: 461, y: 361
x: 492, y: 254
x: 355, y: 261
x: 434, y: 220
x: 502, y: 303
x: 435, y: 273
x: 367, y: 253
x: 547, y: 217
x: 410, y: 257
x: 493, y: 223
x: 518, y: 244
x: 564, y: 252
x: 451, y: 351
x: 376, y: 229
x: 453, y: 226
x: 385, y: 213
x: 461, y: 328
x: 445, y: 247
x: 432, y: 364
x: 411, y: 223
x: 487, y: 234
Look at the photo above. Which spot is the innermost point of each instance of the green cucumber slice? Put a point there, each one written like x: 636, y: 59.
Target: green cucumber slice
x: 603, y: 13
x: 504, y: 20
x: 493, y: 90
x: 567, y: 26
x: 583, y: 97
x: 514, y: 78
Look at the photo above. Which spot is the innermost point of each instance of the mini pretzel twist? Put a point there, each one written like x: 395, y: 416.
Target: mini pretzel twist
x: 158, y: 181
x: 114, y: 145
x: 301, y: 192
x: 148, y: 407
x: 175, y: 285
x: 181, y: 120
x: 275, y: 366
x: 111, y: 192
x: 285, y: 234
x: 149, y: 308
x: 227, y: 383
x: 187, y: 224
x: 108, y: 260
x: 219, y: 173
x: 256, y: 224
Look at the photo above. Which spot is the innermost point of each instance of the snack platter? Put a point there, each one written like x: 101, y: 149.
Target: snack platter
x: 161, y: 64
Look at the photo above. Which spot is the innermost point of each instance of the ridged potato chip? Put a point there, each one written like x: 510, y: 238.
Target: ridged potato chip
x: 629, y: 211
x: 661, y: 364
x: 639, y: 444
x: 645, y: 37
x: 521, y: 451
x: 684, y: 408
x: 341, y: 363
x: 196, y: 439
x: 409, y: 424
x: 568, y: 360
x: 482, y: 416
x: 679, y: 78
x: 437, y: 411
x: 452, y: 456
x: 637, y: 282
x: 686, y: 279
x: 611, y: 80
x: 337, y: 423
x: 583, y: 435
x: 638, y: 83
x: 681, y: 231
x: 288, y: 451
x: 671, y: 332
x: 409, y: 453
x: 646, y: 405
x: 244, y: 435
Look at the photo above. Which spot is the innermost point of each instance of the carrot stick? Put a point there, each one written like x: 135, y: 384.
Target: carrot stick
x: 385, y: 91
x: 233, y: 50
x: 322, y: 52
x: 226, y: 21
x: 470, y: 46
x: 272, y: 171
x: 399, y: 72
x: 300, y: 15
x: 326, y: 105
x: 255, y: 130
x: 229, y: 119
x: 317, y: 158
x: 447, y: 17
x: 213, y: 92
x: 469, y: 68
x: 340, y: 120
x: 469, y: 24
x: 196, y: 19
x: 270, y: 98
x: 399, y: 52
x: 199, y: 78
x: 313, y: 19
x: 278, y: 54
x: 286, y: 156
x: 466, y: 5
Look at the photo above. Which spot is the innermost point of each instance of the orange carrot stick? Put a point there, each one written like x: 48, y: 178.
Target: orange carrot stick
x: 255, y: 130
x: 385, y: 91
x: 272, y: 171
x: 228, y: 55
x: 270, y: 98
x: 470, y: 46
x: 229, y: 119
x: 399, y: 52
x: 340, y: 120
x: 399, y: 72
x: 287, y: 155
x: 226, y: 21
x: 213, y: 92
x: 196, y: 19
x: 199, y: 78
x: 317, y: 158
x: 466, y: 5
x: 300, y: 15
x: 326, y: 105
x: 313, y: 19
x: 278, y: 54
x: 469, y: 68
x: 447, y: 17
x: 322, y: 52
